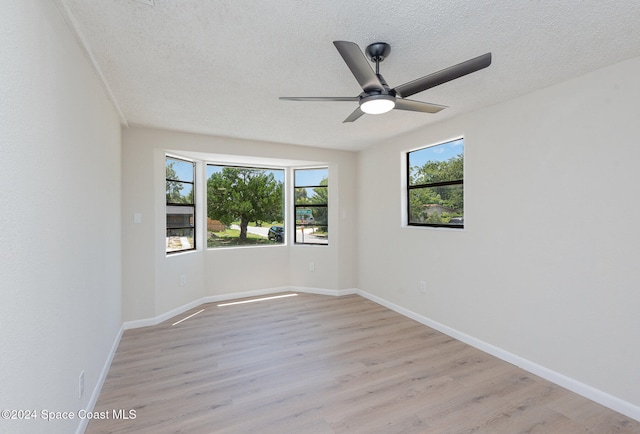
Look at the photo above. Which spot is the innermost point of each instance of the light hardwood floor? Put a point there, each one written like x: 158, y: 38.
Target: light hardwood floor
x: 322, y: 364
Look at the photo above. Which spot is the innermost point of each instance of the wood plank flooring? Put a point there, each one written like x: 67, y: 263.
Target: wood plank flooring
x: 321, y: 364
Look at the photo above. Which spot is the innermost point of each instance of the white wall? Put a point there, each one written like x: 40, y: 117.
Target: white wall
x: 547, y: 265
x: 151, y: 279
x: 60, y: 257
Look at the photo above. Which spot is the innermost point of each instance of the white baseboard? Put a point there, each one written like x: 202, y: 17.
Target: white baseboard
x: 162, y: 317
x: 82, y: 426
x: 589, y: 392
x: 209, y: 299
x: 322, y: 291
x: 232, y: 296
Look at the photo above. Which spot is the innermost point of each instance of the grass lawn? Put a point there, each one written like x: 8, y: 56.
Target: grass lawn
x: 230, y: 238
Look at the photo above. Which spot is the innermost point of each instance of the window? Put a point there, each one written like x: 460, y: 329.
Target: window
x: 435, y: 185
x: 311, y: 206
x: 245, y: 206
x: 180, y: 175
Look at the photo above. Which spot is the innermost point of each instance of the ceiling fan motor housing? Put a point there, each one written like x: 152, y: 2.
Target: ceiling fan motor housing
x: 378, y: 51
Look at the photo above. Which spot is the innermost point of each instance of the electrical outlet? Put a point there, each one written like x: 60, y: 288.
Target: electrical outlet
x: 81, y: 384
x: 183, y: 279
x: 422, y: 285
x: 312, y: 266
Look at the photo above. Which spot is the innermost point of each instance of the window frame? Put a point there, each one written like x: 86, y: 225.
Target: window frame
x: 295, y: 206
x: 411, y: 187
x: 192, y: 205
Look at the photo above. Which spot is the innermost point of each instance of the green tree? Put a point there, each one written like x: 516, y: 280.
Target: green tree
x: 418, y: 199
x: 301, y: 196
x: 321, y: 196
x: 246, y: 195
x: 448, y: 196
x: 438, y: 171
x: 434, y: 218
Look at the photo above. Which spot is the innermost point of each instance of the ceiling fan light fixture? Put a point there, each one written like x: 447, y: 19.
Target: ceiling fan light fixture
x: 377, y: 104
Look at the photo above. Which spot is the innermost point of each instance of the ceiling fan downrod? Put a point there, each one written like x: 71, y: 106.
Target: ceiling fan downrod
x: 377, y: 52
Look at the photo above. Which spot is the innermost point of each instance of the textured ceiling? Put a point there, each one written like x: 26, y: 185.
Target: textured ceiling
x: 219, y: 66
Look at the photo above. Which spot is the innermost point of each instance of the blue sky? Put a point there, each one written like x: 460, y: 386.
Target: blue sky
x: 278, y: 174
x: 442, y: 152
x: 304, y: 177
x: 184, y: 169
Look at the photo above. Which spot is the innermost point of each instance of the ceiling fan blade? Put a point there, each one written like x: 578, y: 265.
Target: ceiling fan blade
x: 418, y: 106
x: 319, y: 98
x: 354, y: 116
x: 443, y: 76
x: 359, y: 65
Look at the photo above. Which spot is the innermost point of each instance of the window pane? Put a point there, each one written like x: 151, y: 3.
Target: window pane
x: 311, y: 206
x: 246, y: 205
x: 180, y: 220
x: 437, y: 205
x: 312, y: 195
x: 312, y: 235
x: 180, y: 239
x: 311, y: 215
x: 179, y: 216
x: 179, y: 170
x: 311, y: 225
x: 438, y: 163
x: 311, y: 177
x: 179, y: 192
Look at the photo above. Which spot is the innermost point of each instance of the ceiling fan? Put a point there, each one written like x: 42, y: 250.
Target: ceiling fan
x: 377, y: 97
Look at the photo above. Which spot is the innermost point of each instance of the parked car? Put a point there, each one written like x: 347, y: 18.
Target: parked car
x: 456, y: 221
x: 276, y: 233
